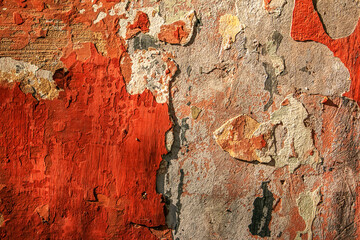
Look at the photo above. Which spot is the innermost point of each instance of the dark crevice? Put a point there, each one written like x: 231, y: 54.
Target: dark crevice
x: 262, y: 213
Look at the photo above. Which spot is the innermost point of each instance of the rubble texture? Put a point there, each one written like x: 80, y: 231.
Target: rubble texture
x: 179, y: 119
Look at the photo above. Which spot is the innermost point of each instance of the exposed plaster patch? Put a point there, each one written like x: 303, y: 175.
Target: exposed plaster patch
x: 33, y: 80
x: 246, y: 139
x: 297, y: 146
x: 118, y: 9
x: 236, y: 137
x: 151, y: 70
x: 307, y: 203
x: 156, y: 21
x: 169, y: 139
x: 229, y: 27
x: 173, y: 10
x: 96, y: 7
x: 43, y: 212
x: 100, y: 17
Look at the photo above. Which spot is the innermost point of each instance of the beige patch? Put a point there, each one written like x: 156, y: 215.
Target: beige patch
x: 307, y: 203
x: 229, y: 27
x: 32, y: 79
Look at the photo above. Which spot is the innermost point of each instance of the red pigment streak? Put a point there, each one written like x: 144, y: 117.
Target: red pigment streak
x: 82, y: 166
x: 307, y: 26
x: 267, y: 5
x: 141, y: 24
x: 173, y: 33
x: 17, y: 18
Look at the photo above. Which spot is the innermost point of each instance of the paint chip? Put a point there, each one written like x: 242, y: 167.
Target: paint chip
x: 284, y: 138
x: 236, y: 137
x: 152, y: 70
x: 179, y: 32
x: 32, y: 80
x: 229, y: 27
x: 195, y: 112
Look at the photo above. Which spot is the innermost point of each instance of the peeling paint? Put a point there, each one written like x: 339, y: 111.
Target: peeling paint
x: 307, y: 26
x: 179, y: 32
x: 246, y: 139
x: 229, y: 27
x: 33, y: 80
x: 151, y: 70
x: 236, y: 137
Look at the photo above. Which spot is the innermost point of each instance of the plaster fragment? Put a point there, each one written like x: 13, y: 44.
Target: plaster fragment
x: 236, y: 137
x: 229, y: 27
x: 2, y: 220
x: 307, y: 203
x: 32, y: 80
x: 118, y: 9
x: 297, y: 146
x: 169, y: 139
x: 97, y: 6
x: 246, y: 139
x: 151, y: 70
x: 100, y: 17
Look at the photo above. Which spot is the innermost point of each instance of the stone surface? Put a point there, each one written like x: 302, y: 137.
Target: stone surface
x: 109, y: 110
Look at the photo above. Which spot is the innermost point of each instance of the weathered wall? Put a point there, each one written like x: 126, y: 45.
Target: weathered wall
x: 179, y: 119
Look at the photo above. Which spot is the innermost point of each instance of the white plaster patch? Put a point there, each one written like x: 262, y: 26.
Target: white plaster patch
x: 295, y: 147
x: 153, y: 71
x: 118, y: 9
x: 288, y: 141
x: 97, y: 6
x: 100, y: 17
x: 156, y: 21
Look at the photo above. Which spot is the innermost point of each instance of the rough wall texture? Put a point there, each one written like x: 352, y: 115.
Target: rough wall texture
x: 179, y: 119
